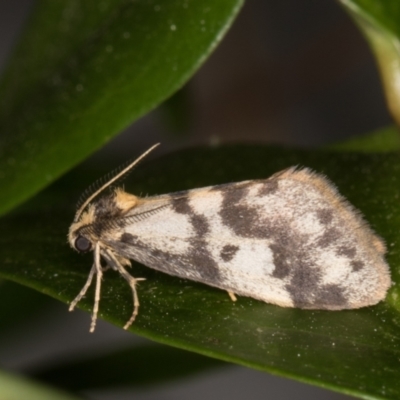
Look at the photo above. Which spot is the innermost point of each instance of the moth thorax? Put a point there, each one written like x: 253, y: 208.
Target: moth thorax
x: 125, y: 201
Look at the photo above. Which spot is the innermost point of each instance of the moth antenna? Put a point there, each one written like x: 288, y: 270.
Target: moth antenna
x: 102, y: 181
x: 108, y: 180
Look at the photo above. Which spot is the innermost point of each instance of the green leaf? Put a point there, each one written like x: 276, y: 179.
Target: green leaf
x: 379, y: 21
x: 17, y: 388
x: 138, y: 366
x: 85, y: 70
x: 380, y: 141
x: 19, y: 305
x: 354, y: 352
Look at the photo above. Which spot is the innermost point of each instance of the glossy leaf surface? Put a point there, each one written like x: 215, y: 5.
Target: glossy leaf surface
x: 354, y: 352
x: 85, y: 70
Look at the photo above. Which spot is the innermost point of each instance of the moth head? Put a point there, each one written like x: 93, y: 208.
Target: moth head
x: 79, y: 238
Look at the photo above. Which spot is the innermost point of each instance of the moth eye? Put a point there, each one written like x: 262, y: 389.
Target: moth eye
x: 82, y: 244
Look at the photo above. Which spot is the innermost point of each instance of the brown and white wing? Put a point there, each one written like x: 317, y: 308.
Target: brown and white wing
x: 290, y: 240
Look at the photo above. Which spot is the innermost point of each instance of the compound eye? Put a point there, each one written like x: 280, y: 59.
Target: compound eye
x: 82, y: 244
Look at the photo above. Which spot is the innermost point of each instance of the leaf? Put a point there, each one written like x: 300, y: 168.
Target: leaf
x: 354, y: 352
x: 19, y: 305
x: 85, y: 70
x: 138, y: 366
x: 379, y: 21
x: 382, y: 141
x: 17, y: 388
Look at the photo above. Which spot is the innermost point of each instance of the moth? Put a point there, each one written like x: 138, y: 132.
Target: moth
x: 290, y: 240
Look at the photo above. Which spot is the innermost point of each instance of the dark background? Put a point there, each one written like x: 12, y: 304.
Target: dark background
x: 295, y: 72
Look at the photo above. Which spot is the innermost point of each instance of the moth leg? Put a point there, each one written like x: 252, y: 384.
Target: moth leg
x: 99, y: 275
x: 84, y: 289
x: 232, y: 295
x: 132, y: 283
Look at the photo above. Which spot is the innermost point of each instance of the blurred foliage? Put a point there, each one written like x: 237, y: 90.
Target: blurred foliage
x: 17, y: 388
x: 379, y: 21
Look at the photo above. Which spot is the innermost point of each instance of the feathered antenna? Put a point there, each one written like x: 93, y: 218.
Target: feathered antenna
x: 103, y: 183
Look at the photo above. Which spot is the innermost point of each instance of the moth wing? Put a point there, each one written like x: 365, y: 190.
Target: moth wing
x: 290, y: 240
